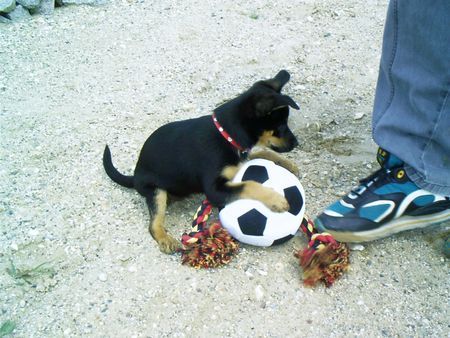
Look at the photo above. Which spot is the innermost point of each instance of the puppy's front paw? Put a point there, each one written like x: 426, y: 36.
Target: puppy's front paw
x: 278, y: 203
x: 168, y: 244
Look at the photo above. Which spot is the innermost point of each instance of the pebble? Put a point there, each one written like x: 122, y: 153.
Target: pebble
x: 103, y: 277
x: 356, y: 247
x: 14, y: 247
x: 259, y: 292
x: 33, y: 232
x: 7, y: 6
x: 19, y: 13
x: 279, y: 266
x: 359, y: 116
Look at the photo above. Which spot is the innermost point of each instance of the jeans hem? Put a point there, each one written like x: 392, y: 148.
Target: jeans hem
x: 421, y: 182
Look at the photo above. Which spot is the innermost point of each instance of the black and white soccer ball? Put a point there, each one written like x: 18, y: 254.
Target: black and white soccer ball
x: 250, y: 221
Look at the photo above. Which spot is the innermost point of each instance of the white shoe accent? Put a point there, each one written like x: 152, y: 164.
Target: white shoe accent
x: 352, y: 196
x: 332, y: 213
x: 411, y: 197
x: 347, y: 205
x: 360, y: 190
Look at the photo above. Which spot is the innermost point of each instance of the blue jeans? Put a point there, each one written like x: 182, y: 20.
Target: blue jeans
x: 411, y: 114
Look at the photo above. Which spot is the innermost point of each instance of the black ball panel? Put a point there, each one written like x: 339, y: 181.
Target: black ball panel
x: 282, y: 240
x: 256, y: 173
x: 294, y: 198
x: 252, y: 223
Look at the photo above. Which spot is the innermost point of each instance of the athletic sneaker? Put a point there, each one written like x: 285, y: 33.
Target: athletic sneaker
x: 383, y: 204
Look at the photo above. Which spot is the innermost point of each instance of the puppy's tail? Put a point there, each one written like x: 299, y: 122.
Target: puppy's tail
x: 113, y: 173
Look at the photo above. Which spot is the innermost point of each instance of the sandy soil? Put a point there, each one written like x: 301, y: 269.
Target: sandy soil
x: 87, y: 76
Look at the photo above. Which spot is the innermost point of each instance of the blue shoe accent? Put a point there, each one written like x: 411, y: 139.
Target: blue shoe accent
x: 392, y: 188
x: 338, y: 208
x: 384, y: 203
x: 424, y: 200
x: 374, y: 212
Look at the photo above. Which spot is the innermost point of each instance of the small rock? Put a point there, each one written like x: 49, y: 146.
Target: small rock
x: 310, y: 79
x: 83, y: 2
x: 300, y: 87
x: 123, y: 258
x: 259, y: 293
x: 102, y: 277
x: 356, y: 247
x: 29, y: 4
x: 32, y: 232
x: 46, y: 7
x: 14, y: 246
x: 188, y: 107
x: 359, y: 116
x: 279, y: 266
x: 40, y: 288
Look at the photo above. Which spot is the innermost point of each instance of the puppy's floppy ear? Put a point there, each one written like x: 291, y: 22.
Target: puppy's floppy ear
x: 284, y: 100
x: 279, y: 80
x: 266, y: 103
x: 282, y: 78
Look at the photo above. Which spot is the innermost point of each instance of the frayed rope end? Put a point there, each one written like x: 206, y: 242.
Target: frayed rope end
x: 209, y: 248
x: 324, y: 260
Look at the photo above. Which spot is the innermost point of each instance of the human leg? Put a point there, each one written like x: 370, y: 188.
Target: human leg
x: 411, y: 115
x: 411, y: 119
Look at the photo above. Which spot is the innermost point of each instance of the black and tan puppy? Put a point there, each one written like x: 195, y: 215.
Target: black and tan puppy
x: 203, y: 154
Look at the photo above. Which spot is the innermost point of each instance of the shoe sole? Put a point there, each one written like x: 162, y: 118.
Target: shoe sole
x: 400, y: 224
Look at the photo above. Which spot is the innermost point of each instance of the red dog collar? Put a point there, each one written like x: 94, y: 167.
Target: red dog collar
x: 227, y: 136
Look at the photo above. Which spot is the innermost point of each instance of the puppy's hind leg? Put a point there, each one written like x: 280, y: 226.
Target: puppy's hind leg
x: 157, y: 204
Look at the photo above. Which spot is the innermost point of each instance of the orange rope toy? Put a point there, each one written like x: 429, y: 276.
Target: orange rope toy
x: 207, y: 247
x: 325, y: 259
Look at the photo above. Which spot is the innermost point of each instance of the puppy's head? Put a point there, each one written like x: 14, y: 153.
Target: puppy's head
x: 268, y: 112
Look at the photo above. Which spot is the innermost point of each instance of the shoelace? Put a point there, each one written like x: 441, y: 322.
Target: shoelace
x: 365, y: 183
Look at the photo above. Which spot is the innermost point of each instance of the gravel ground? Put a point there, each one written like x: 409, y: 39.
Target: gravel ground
x: 85, y: 264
